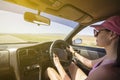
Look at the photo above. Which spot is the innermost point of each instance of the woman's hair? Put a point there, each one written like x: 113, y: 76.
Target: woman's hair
x: 118, y: 54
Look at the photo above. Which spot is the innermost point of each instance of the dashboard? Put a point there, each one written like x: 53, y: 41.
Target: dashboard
x: 25, y: 61
x: 33, y: 61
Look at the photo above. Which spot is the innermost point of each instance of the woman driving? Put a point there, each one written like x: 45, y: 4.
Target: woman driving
x: 106, y: 68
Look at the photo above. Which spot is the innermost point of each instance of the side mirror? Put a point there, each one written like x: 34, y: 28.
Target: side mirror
x: 77, y: 41
x: 35, y: 18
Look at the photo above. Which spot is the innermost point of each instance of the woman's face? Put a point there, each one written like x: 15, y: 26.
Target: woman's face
x: 102, y: 39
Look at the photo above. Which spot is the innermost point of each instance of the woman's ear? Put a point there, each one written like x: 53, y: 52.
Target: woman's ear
x: 113, y: 35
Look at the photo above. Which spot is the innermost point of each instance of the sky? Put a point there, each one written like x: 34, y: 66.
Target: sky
x: 9, y: 21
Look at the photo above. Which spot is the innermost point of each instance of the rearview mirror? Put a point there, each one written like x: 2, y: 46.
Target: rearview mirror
x: 35, y: 18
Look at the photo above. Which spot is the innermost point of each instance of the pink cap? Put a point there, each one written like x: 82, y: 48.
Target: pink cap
x: 112, y: 23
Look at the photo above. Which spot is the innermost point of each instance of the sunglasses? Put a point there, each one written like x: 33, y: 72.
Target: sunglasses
x: 96, y: 32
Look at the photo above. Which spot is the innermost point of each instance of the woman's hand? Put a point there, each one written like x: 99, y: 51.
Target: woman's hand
x: 56, y: 60
x: 71, y: 50
x: 60, y: 68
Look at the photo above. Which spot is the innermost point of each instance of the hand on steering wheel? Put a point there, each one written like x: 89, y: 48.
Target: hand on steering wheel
x: 59, y: 47
x: 56, y: 59
x: 71, y: 50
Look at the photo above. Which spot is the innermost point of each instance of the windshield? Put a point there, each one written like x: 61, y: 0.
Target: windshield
x: 14, y: 29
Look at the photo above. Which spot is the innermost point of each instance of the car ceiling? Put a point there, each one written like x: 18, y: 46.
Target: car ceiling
x: 82, y: 11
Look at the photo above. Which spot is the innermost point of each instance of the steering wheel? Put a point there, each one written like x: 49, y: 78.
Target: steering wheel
x: 59, y: 47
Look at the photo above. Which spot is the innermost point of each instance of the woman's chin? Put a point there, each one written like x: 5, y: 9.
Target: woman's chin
x: 98, y: 45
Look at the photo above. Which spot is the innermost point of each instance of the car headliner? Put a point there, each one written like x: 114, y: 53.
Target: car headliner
x: 83, y: 11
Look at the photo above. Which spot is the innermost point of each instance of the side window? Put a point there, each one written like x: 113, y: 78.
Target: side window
x: 85, y: 38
